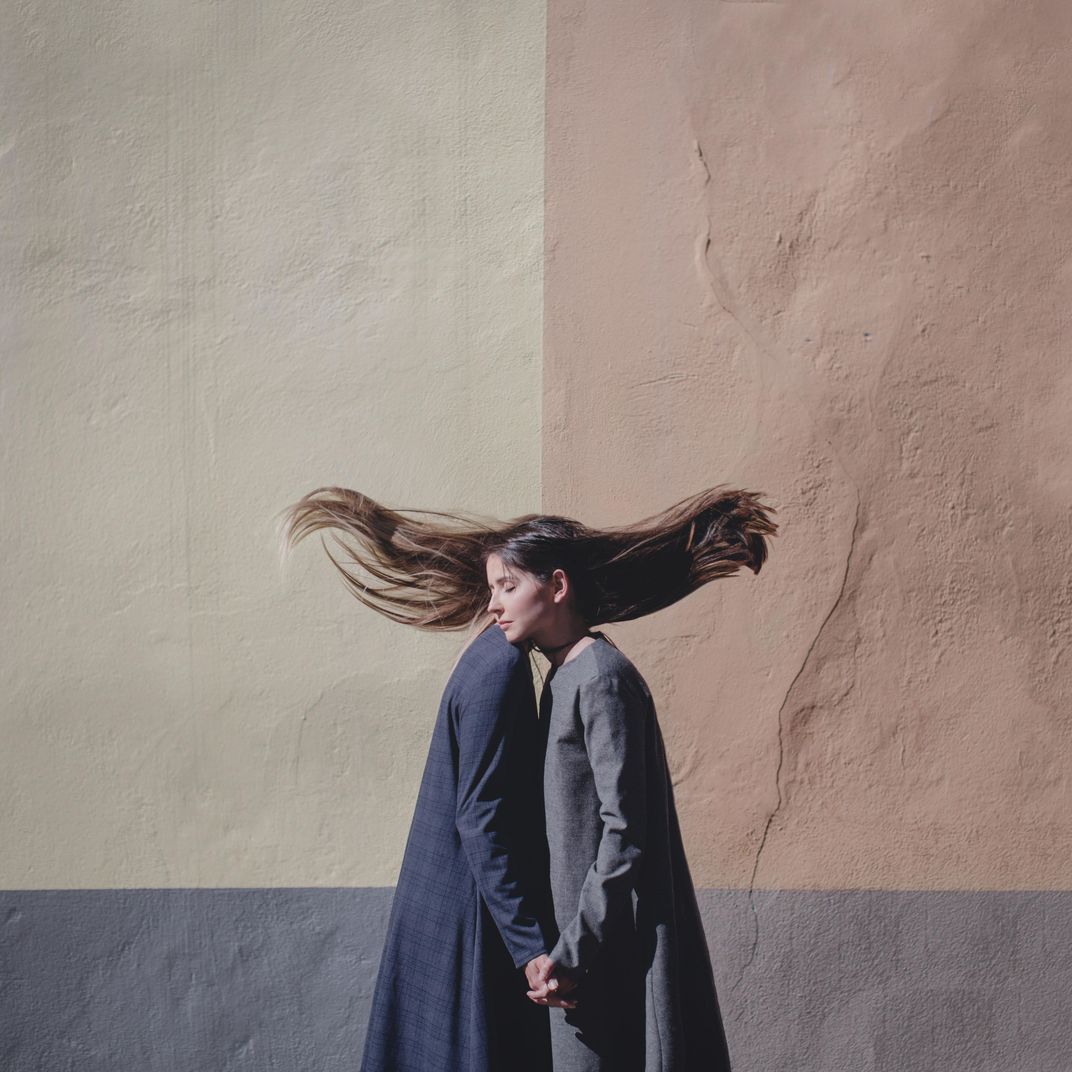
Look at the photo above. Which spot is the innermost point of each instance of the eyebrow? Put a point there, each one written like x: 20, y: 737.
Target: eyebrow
x: 505, y: 577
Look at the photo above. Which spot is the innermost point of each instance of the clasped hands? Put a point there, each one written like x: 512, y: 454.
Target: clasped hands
x: 547, y: 984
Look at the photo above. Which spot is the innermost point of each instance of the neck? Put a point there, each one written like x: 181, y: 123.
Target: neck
x: 557, y: 646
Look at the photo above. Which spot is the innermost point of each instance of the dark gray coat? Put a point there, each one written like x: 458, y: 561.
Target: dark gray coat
x: 623, y: 896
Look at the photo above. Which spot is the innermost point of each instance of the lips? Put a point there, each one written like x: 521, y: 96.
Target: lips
x: 504, y: 624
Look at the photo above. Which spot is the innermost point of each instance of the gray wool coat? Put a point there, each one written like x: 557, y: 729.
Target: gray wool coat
x: 624, y: 902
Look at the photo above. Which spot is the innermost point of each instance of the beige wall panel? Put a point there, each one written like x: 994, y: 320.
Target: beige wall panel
x: 822, y: 249
x: 247, y: 250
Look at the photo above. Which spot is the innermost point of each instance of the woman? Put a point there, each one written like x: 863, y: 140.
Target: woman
x: 469, y: 926
x: 630, y: 962
x: 631, y: 949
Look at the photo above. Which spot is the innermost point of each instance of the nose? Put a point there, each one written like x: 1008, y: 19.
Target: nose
x: 494, y: 605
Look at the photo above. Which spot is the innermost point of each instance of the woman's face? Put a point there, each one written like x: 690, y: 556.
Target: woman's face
x: 522, y: 605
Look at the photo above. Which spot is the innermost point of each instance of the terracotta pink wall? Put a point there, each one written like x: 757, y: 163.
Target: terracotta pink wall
x: 823, y: 250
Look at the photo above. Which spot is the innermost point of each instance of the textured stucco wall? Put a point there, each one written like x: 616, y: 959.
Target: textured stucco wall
x: 247, y: 250
x: 280, y: 980
x: 823, y: 249
x: 815, y: 248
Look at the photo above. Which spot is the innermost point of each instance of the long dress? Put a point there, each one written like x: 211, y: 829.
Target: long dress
x: 471, y: 907
x: 624, y: 900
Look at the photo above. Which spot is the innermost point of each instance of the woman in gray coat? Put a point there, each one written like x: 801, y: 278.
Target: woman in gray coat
x: 629, y: 971
x: 631, y: 950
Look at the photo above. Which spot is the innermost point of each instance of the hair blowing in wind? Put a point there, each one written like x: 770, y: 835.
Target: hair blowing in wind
x: 426, y: 568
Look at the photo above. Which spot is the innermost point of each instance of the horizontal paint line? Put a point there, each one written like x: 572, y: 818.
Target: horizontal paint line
x: 729, y: 891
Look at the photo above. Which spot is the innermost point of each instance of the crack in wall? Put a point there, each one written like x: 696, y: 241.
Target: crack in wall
x: 770, y: 357
x: 718, y: 287
x: 781, y: 745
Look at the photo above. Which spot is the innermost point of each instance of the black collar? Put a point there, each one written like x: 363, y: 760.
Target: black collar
x: 559, y: 647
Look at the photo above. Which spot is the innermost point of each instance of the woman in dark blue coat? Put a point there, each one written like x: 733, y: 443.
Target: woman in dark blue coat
x: 472, y: 920
x: 470, y: 907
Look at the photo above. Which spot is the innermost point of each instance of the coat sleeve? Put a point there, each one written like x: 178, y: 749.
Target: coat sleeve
x: 485, y: 712
x: 612, y: 712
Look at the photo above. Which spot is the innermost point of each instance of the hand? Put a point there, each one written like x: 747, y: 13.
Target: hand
x: 547, y: 983
x: 536, y: 971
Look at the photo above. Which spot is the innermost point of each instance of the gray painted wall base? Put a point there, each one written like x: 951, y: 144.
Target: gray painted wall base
x: 280, y: 980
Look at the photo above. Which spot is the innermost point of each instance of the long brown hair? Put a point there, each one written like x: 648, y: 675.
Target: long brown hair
x: 427, y: 568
